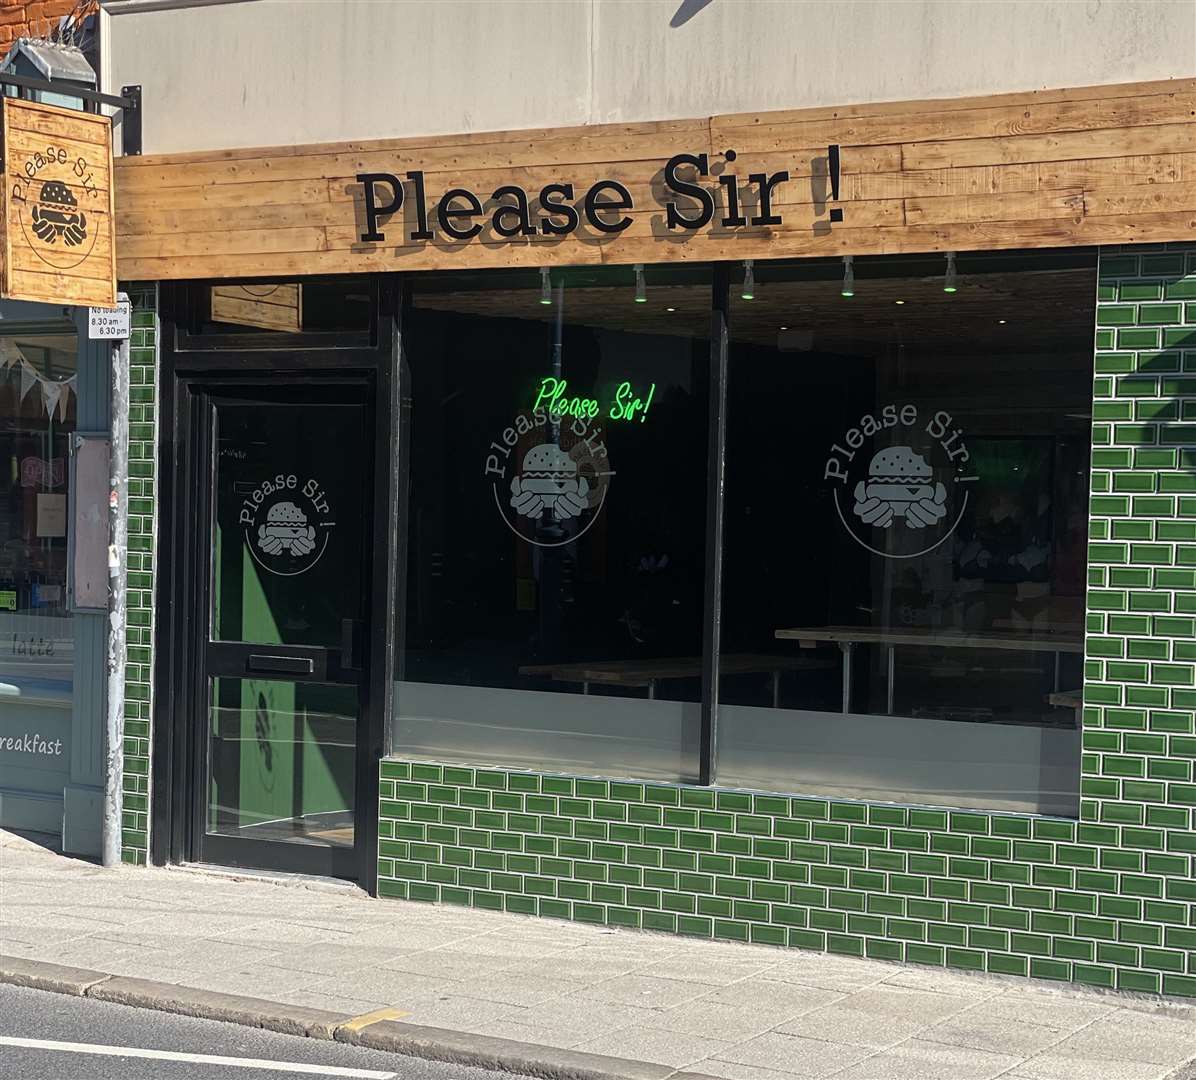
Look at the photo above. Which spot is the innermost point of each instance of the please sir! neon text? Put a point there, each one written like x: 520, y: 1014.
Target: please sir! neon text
x: 628, y: 403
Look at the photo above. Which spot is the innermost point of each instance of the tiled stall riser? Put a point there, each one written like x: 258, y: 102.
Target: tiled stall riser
x: 1109, y: 900
x: 140, y: 585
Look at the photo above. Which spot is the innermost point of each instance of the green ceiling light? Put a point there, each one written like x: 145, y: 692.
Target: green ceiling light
x: 748, y: 292
x: 950, y: 280
x: 641, y: 288
x: 848, y: 276
x: 545, y: 286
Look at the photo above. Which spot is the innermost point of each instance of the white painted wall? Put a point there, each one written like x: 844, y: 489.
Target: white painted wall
x: 274, y: 72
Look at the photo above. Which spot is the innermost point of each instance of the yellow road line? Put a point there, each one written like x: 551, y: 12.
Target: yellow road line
x: 365, y: 1019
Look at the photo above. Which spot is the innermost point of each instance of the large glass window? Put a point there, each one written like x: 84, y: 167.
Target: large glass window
x: 37, y: 416
x: 904, y: 544
x: 557, y: 431
x: 907, y: 485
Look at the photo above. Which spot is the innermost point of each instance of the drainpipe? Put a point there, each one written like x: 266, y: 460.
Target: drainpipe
x: 117, y: 534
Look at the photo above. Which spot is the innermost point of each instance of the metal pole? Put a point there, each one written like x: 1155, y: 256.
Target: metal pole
x: 117, y: 532
x: 715, y: 497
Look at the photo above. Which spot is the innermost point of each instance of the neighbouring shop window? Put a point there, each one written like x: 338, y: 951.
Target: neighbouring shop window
x: 37, y: 417
x: 907, y: 489
x: 557, y: 438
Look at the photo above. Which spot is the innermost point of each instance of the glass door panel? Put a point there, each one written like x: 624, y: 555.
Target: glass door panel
x: 282, y: 761
x: 288, y: 516
x: 288, y: 501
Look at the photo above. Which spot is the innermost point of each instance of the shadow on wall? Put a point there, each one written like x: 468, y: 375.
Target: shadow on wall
x: 687, y: 10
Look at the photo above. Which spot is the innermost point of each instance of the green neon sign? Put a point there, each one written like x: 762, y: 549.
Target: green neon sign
x: 627, y: 404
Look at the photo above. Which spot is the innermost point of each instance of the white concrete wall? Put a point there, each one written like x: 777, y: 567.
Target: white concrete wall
x: 273, y: 72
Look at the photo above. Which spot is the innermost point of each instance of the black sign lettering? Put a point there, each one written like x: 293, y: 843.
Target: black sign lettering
x: 688, y: 204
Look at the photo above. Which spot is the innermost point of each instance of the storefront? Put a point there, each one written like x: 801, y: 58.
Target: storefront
x: 55, y: 418
x: 712, y: 526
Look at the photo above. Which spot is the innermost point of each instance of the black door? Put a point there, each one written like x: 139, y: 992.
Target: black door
x: 284, y: 524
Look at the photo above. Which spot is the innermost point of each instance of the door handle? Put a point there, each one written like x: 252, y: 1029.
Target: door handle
x: 349, y: 645
x: 279, y: 665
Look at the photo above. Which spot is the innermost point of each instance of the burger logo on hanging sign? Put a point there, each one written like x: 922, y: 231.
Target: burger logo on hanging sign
x: 287, y: 524
x: 549, y: 475
x: 899, y: 482
x: 50, y: 196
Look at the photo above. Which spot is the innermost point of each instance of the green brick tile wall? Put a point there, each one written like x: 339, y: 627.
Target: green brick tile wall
x: 140, y: 584
x: 1109, y: 900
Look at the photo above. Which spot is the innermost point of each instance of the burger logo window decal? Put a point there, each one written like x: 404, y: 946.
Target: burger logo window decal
x: 899, y: 482
x: 549, y: 476
x: 549, y: 482
x: 287, y: 524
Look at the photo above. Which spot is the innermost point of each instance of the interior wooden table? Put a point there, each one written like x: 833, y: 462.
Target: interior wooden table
x: 639, y: 674
x: 847, y: 637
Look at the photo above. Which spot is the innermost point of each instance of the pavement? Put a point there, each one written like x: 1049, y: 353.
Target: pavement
x: 547, y: 998
x: 74, y: 1038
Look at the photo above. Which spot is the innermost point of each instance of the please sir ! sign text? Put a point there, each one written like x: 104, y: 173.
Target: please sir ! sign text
x: 558, y: 209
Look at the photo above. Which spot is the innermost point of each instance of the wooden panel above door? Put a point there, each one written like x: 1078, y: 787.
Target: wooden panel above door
x: 1095, y: 165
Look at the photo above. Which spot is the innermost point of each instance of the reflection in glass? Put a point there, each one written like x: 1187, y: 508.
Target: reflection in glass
x: 907, y: 485
x: 38, y: 388
x: 281, y: 761
x: 556, y: 519
x: 311, y: 306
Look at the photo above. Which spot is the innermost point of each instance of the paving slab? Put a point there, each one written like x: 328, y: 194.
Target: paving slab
x: 644, y: 990
x: 646, y: 1043
x: 811, y: 1058
x: 979, y: 1029
x: 878, y: 1016
x: 917, y: 1060
x: 1054, y: 1067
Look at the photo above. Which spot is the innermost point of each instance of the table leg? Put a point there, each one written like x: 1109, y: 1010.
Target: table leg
x: 892, y: 670
x: 1058, y: 664
x: 585, y: 687
x: 776, y: 689
x: 651, y: 689
x: 845, y: 648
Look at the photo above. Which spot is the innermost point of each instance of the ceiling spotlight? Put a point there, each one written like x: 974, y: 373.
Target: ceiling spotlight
x: 1001, y: 321
x: 784, y: 328
x: 749, y: 280
x: 950, y: 282
x: 898, y: 301
x: 641, y: 289
x: 545, y: 286
x: 670, y: 309
x: 848, y: 276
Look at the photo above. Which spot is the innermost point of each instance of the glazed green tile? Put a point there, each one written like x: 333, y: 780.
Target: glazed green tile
x: 917, y: 953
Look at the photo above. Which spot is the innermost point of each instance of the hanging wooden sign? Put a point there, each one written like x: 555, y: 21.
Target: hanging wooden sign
x: 57, y: 206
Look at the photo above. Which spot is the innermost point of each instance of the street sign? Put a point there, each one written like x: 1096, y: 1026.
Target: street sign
x: 111, y: 324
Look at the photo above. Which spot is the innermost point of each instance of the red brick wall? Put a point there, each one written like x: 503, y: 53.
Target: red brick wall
x: 29, y: 18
